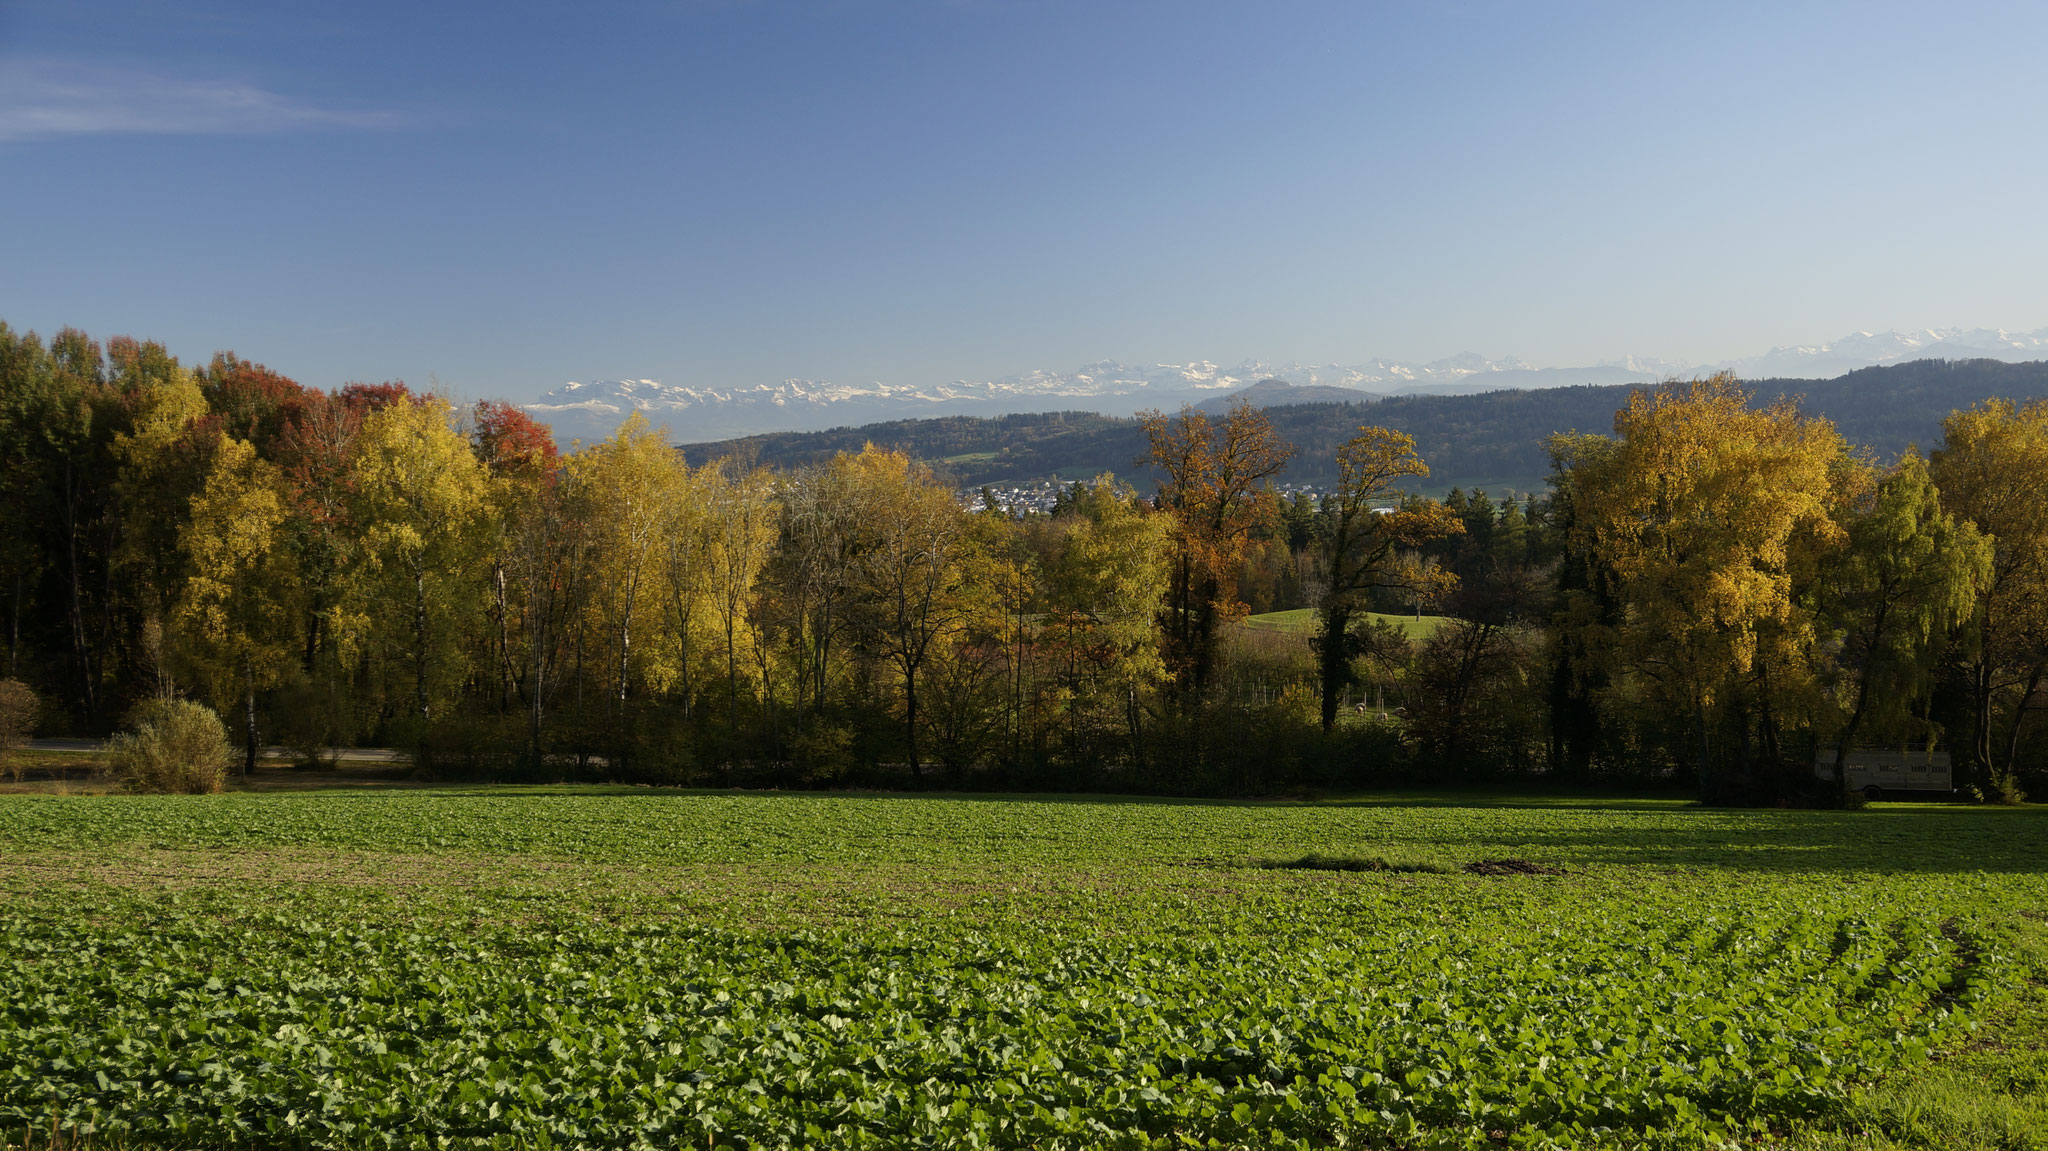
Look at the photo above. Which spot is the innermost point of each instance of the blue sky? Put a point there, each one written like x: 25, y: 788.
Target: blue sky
x: 500, y: 197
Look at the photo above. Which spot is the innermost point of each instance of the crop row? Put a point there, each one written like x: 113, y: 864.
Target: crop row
x: 218, y: 1022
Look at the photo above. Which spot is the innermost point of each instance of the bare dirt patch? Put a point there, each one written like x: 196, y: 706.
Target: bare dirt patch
x: 1509, y: 867
x: 1350, y: 863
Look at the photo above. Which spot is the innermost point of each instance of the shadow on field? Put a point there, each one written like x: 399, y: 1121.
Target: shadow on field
x: 1636, y: 830
x: 1572, y: 829
x: 1648, y: 831
x: 1904, y: 841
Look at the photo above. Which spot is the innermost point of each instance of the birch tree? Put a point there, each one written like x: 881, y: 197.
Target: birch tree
x: 910, y: 566
x: 419, y: 503
x: 237, y: 616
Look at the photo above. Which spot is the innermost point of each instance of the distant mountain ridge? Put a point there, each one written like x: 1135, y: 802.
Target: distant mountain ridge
x: 1495, y: 440
x: 1876, y: 349
x: 591, y: 411
x: 1272, y: 393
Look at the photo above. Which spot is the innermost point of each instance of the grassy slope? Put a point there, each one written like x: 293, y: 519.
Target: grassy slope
x: 1044, y: 917
x: 1302, y: 619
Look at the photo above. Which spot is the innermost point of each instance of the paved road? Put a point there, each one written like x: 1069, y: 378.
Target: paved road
x: 352, y: 754
x: 64, y: 745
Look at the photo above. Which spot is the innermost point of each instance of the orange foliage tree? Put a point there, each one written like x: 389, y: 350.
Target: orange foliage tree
x: 1216, y: 489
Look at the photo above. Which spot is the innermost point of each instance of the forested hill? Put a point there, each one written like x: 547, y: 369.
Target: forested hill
x: 1493, y: 440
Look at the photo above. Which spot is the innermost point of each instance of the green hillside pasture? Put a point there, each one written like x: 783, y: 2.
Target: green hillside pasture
x: 1303, y: 620
x: 582, y: 967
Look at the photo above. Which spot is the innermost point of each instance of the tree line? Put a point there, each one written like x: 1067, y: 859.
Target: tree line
x: 1717, y: 592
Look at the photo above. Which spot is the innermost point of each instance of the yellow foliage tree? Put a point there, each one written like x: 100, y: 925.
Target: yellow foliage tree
x: 1710, y: 514
x: 535, y: 586
x: 419, y: 502
x: 162, y: 465
x: 810, y: 575
x: 629, y: 491
x: 1105, y: 586
x: 911, y: 559
x: 740, y: 533
x: 687, y: 581
x: 237, y: 616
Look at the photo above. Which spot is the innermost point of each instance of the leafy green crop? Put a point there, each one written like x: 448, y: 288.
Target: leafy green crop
x: 564, y: 969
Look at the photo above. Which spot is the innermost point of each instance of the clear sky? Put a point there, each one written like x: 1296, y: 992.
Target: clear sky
x: 504, y: 196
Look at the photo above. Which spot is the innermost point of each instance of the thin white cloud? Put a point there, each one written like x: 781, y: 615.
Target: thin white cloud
x: 45, y: 99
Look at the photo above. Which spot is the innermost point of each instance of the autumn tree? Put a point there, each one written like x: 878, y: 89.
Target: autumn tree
x: 687, y: 587
x: 522, y: 467
x: 1104, y: 584
x: 237, y: 615
x: 1707, y: 513
x: 1215, y: 487
x: 164, y: 457
x: 540, y: 547
x: 418, y: 500
x: 510, y: 442
x: 1013, y: 581
x: 315, y: 453
x: 740, y: 535
x: 1989, y: 471
x: 252, y: 402
x: 1909, y: 575
x: 1361, y: 542
x: 909, y: 566
x: 629, y: 487
x: 810, y: 573
x: 531, y: 568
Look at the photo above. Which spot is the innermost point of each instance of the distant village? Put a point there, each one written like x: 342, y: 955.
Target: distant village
x: 1019, y: 498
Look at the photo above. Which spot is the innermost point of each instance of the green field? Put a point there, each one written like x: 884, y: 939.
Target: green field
x: 1303, y: 620
x: 621, y: 968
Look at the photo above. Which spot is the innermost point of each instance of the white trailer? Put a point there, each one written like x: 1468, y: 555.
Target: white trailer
x: 1880, y: 773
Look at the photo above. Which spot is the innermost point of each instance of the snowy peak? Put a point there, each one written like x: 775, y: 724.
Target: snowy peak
x: 1871, y: 349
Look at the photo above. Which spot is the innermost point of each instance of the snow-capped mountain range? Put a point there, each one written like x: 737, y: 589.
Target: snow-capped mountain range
x: 591, y: 411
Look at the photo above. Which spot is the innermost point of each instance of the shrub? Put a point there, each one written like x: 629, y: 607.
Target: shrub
x: 171, y: 745
x: 480, y: 747
x: 2005, y: 786
x: 18, y: 707
x: 823, y: 752
x: 310, y: 718
x: 656, y: 747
